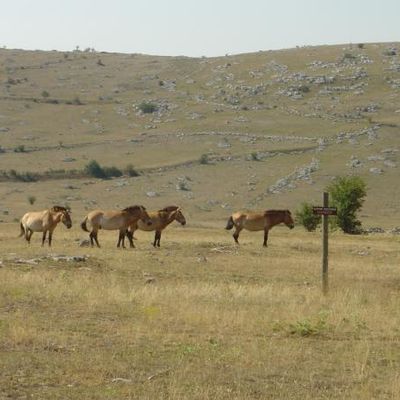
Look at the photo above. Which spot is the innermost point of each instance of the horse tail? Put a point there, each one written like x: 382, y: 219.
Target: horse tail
x: 83, y: 225
x: 230, y: 223
x: 22, y: 232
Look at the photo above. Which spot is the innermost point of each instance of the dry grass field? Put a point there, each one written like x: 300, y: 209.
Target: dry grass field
x: 199, y: 318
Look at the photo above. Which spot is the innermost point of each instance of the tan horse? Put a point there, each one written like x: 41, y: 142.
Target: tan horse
x: 44, y: 221
x: 262, y: 221
x: 159, y: 221
x: 114, y: 220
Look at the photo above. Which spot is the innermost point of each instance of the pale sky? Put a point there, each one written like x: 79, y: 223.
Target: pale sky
x: 194, y: 27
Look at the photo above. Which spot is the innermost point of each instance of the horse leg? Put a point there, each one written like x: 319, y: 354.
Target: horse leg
x: 95, y: 238
x: 155, y: 238
x: 266, y: 230
x: 236, y: 235
x: 121, y: 239
x: 50, y: 237
x: 129, y: 235
x: 29, y: 234
x: 91, y: 235
x: 159, y: 238
x: 44, y: 238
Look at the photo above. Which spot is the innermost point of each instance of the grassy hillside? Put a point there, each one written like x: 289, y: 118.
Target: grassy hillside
x: 276, y: 126
x: 199, y: 318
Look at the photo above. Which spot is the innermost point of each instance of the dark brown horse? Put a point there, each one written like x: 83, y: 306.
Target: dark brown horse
x: 159, y: 221
x: 259, y: 221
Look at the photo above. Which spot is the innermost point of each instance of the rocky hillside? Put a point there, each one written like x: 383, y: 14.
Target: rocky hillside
x: 261, y: 130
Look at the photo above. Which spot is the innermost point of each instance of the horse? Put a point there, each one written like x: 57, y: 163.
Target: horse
x: 159, y: 221
x: 258, y: 221
x: 44, y: 221
x: 113, y: 220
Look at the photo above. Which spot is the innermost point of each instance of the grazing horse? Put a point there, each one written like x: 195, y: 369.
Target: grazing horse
x: 44, y: 221
x: 159, y: 221
x: 113, y: 220
x: 253, y: 221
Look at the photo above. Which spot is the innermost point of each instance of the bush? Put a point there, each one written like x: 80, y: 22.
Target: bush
x: 348, y: 194
x: 305, y: 217
x: 45, y: 93
x: 31, y: 200
x: 12, y: 174
x: 111, y: 172
x: 93, y: 168
x: 254, y: 156
x: 147, y: 108
x: 130, y: 171
x: 304, y: 88
x: 204, y: 159
x: 19, y: 149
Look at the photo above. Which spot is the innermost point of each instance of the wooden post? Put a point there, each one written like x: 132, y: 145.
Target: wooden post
x: 325, y: 232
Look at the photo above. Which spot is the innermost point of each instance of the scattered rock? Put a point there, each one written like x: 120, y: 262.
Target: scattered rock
x: 121, y: 380
x: 376, y: 171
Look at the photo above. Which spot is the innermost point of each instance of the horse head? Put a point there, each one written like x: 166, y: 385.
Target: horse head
x: 145, y: 217
x: 140, y: 212
x: 180, y: 217
x: 65, y: 215
x: 288, y: 220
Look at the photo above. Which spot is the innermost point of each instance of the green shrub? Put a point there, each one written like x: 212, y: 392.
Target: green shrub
x: 31, y: 200
x: 254, y: 156
x: 22, y: 177
x: 45, y: 93
x: 204, y: 159
x: 306, y: 327
x: 111, y: 172
x: 304, y: 88
x: 131, y: 171
x: 93, y: 168
x: 348, y: 195
x: 307, y: 218
x: 147, y: 108
x: 19, y: 149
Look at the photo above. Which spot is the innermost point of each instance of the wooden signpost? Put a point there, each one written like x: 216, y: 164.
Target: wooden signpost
x: 325, y: 211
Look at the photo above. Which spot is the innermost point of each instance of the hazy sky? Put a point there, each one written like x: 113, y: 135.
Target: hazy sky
x: 194, y: 27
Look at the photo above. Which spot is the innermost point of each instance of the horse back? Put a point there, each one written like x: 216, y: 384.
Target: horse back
x: 254, y: 221
x: 36, y: 220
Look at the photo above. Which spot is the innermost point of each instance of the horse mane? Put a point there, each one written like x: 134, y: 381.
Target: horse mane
x: 134, y: 208
x: 59, y: 208
x: 274, y: 212
x: 169, y: 208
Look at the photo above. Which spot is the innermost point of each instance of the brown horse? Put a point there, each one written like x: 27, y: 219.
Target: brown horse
x: 44, y: 221
x: 159, y: 221
x: 263, y: 221
x: 113, y: 220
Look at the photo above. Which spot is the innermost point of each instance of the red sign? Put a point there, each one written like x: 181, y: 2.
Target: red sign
x: 325, y: 210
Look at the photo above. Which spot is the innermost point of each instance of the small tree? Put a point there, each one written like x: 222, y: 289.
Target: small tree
x: 307, y: 218
x: 348, y: 195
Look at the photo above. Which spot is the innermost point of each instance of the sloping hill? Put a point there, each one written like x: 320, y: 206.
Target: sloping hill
x: 262, y: 130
